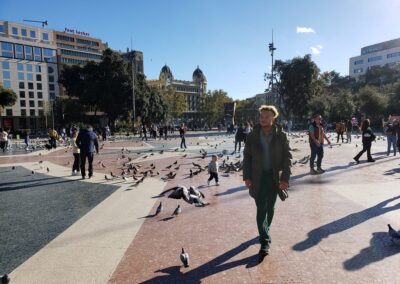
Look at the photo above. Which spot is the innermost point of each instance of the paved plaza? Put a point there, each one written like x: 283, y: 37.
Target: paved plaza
x: 57, y: 228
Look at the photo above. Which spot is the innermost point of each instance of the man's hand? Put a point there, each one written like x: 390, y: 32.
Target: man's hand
x: 317, y: 143
x: 283, y: 185
x: 248, y: 183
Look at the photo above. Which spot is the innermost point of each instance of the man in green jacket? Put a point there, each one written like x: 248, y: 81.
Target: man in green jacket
x: 266, y: 169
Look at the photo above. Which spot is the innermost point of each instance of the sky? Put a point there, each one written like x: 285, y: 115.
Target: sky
x: 228, y: 39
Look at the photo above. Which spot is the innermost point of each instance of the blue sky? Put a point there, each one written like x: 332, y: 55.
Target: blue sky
x: 227, y: 39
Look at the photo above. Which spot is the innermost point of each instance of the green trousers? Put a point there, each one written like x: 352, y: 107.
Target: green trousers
x: 265, y: 203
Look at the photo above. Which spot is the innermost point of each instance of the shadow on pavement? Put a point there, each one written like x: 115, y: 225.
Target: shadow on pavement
x: 231, y: 191
x: 315, y: 236
x: 29, y: 186
x: 380, y: 248
x: 217, y: 265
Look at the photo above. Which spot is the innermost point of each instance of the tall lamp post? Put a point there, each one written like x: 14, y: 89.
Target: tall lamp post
x: 133, y: 87
x: 272, y: 48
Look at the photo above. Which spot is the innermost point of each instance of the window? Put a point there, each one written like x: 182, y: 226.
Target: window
x: 19, y: 51
x: 20, y: 67
x: 41, y: 112
x: 21, y: 76
x: 30, y: 86
x: 40, y: 103
x: 359, y: 70
x: 6, y: 75
x: 391, y: 55
x: 38, y: 77
x: 39, y: 86
x: 375, y: 58
x: 51, y: 87
x: 40, y: 95
x: 23, y: 112
x: 1, y: 29
x: 31, y: 103
x: 65, y: 38
x: 51, y: 78
x: 45, y: 36
x: 38, y: 68
x: 9, y: 112
x: 7, y: 84
x: 87, y: 42
x: 52, y: 96
x: 6, y: 49
x: 38, y: 54
x: 33, y: 34
x: 29, y: 67
x: 49, y: 55
x: 32, y: 112
x: 29, y: 76
x: 22, y: 103
x: 80, y: 54
x: 31, y: 95
x: 22, y: 94
x: 21, y: 85
x: 28, y: 52
x: 50, y: 70
x: 23, y: 32
x: 14, y: 31
x: 6, y: 65
x: 358, y: 62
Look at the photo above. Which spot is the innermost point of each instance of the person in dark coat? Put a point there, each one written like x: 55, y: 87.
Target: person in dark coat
x: 87, y: 142
x: 266, y: 169
x: 367, y: 137
x: 239, y: 137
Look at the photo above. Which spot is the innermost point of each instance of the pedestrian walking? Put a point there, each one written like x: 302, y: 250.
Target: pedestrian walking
x: 144, y: 130
x: 182, y: 134
x: 317, y: 137
x: 340, y: 129
x: 266, y: 169
x: 3, y: 139
x: 54, y: 137
x: 239, y: 137
x: 367, y: 137
x: 75, y: 152
x: 27, y: 140
x: 213, y: 170
x: 349, y: 130
x: 289, y: 126
x: 391, y: 137
x: 87, y: 142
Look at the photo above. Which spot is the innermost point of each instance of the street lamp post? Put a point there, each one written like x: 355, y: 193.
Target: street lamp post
x: 133, y: 87
x: 272, y: 48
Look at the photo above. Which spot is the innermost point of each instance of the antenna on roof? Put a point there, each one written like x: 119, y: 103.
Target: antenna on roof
x: 44, y: 23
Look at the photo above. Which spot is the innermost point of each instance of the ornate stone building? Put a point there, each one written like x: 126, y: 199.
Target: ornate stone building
x: 190, y: 89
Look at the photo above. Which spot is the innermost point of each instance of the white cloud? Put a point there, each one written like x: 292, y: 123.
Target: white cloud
x: 315, y: 50
x: 304, y: 30
x: 320, y: 46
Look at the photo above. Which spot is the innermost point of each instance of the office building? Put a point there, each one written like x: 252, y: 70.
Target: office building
x: 380, y: 54
x: 28, y: 65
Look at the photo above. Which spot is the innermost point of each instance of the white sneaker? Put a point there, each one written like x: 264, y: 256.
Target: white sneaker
x: 216, y: 183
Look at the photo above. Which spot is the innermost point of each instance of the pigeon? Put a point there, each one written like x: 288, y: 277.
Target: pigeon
x: 191, y: 173
x: 40, y: 162
x: 159, y: 208
x: 184, y: 258
x: 107, y: 178
x: 194, y: 191
x: 177, y: 211
x: 13, y: 168
x: 103, y: 166
x: 48, y: 170
x: 33, y: 172
x: 393, y: 233
x: 178, y: 192
x: 4, y: 279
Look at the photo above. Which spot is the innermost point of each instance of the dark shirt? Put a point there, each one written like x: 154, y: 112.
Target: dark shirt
x: 368, y: 136
x: 87, y: 141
